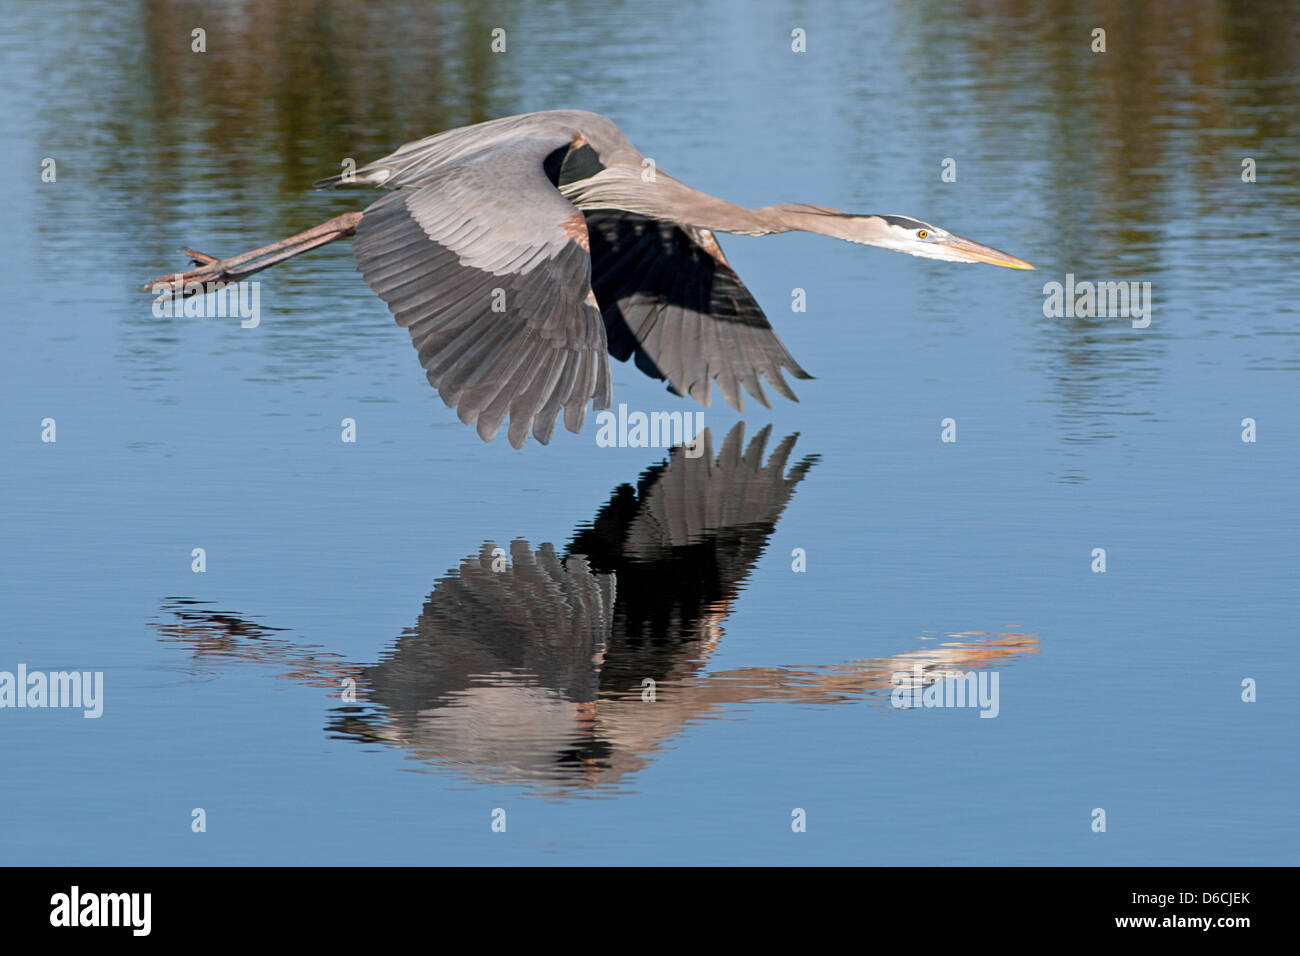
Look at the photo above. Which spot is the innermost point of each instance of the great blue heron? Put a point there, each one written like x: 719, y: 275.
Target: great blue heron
x: 519, y: 251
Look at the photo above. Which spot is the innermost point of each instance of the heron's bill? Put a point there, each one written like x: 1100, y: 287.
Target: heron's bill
x: 968, y: 251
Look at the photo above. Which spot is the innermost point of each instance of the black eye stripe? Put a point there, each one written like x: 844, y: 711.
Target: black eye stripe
x: 906, y: 222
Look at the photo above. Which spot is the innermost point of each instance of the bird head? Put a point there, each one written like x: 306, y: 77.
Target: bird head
x: 917, y: 238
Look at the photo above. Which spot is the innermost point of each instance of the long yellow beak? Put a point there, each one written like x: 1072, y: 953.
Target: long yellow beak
x: 968, y: 251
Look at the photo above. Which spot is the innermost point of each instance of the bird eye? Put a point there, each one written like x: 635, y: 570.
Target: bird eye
x: 921, y: 234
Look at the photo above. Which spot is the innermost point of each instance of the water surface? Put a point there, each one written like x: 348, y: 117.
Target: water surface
x: 371, y: 562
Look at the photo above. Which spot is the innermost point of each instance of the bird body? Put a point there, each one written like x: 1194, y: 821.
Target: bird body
x: 520, y: 251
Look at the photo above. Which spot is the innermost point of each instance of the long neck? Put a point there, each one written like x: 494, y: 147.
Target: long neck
x: 666, y: 198
x: 822, y: 220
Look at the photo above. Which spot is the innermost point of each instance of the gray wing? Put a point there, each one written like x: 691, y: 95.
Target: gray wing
x: 561, y: 127
x: 670, y: 298
x: 487, y: 266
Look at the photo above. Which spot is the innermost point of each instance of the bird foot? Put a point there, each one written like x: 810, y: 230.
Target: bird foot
x: 209, y: 269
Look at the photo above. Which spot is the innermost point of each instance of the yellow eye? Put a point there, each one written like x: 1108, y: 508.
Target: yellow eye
x: 922, y: 234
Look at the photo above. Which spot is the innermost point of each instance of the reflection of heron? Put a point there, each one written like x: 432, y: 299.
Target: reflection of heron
x: 517, y: 252
x: 530, y: 666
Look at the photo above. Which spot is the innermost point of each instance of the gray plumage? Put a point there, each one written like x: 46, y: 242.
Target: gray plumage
x: 518, y: 252
x: 481, y: 212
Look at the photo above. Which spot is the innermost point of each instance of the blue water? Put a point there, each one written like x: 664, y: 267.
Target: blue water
x: 1119, y: 690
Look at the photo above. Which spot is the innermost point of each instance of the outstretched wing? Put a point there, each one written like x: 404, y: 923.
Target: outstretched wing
x: 487, y: 266
x: 670, y: 298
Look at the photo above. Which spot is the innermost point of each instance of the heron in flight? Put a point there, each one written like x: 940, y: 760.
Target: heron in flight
x: 518, y: 252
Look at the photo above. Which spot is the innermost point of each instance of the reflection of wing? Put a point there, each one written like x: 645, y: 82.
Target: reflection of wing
x: 670, y: 298
x: 698, y: 499
x: 535, y: 619
x: 529, y: 669
x: 510, y: 726
x: 499, y: 670
x: 682, y: 545
x: 486, y: 265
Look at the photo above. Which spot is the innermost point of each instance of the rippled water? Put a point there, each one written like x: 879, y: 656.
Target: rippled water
x: 522, y: 685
